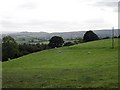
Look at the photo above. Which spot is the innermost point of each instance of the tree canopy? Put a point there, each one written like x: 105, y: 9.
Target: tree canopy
x: 56, y: 41
x: 90, y: 36
x: 119, y: 36
x: 9, y: 48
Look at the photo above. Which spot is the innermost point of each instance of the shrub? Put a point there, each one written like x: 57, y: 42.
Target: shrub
x: 68, y: 44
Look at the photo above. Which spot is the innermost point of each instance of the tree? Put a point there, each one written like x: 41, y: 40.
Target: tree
x: 9, y: 48
x: 90, y: 36
x: 119, y: 36
x: 56, y: 41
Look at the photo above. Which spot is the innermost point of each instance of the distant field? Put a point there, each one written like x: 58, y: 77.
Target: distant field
x: 47, y: 42
x: 87, y: 65
x: 44, y: 42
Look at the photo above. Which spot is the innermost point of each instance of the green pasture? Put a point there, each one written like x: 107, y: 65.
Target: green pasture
x: 87, y: 65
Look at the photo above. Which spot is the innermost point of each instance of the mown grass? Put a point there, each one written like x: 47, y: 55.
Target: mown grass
x: 87, y: 65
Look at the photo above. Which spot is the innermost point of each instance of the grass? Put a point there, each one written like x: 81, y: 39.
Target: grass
x: 87, y: 65
x: 0, y: 75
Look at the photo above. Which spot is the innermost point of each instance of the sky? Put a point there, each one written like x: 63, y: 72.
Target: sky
x: 57, y: 15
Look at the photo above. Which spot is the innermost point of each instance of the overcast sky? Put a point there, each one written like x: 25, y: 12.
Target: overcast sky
x: 57, y: 15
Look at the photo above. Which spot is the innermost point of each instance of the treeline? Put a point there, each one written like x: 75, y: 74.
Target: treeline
x: 25, y: 49
x: 11, y: 49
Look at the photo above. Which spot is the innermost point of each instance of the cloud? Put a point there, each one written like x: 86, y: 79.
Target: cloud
x: 57, y: 15
x: 10, y: 24
x: 95, y: 21
x: 36, y: 25
x: 52, y: 26
x: 107, y: 4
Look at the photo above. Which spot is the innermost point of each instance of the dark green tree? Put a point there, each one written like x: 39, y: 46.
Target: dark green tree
x: 90, y: 36
x: 119, y: 36
x: 56, y: 41
x: 9, y: 48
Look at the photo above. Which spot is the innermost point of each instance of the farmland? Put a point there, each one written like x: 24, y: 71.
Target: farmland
x: 87, y: 65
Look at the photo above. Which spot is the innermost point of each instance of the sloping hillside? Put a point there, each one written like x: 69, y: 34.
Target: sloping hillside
x: 88, y: 65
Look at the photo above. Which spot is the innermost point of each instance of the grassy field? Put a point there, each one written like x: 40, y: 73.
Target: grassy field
x: 0, y: 75
x: 87, y: 65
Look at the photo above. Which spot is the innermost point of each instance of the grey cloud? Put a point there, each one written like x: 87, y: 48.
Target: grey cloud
x: 111, y: 4
x: 107, y: 4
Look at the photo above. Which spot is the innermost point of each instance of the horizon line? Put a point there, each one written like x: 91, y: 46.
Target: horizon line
x: 7, y: 32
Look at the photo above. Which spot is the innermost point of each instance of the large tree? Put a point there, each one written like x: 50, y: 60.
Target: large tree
x: 90, y: 36
x: 9, y: 48
x: 56, y: 41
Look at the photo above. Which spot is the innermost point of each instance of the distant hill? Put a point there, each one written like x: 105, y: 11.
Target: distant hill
x: 65, y: 35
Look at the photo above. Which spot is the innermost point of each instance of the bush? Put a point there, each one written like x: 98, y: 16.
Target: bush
x: 106, y: 38
x: 68, y: 44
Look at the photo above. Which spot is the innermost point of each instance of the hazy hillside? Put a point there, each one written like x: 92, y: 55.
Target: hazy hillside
x: 65, y: 35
